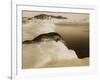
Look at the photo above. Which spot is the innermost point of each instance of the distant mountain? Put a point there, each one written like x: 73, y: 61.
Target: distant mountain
x: 45, y: 16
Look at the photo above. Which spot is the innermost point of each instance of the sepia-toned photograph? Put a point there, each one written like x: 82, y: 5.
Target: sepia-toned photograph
x: 54, y: 39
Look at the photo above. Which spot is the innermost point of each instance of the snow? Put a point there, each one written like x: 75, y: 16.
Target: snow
x: 37, y: 55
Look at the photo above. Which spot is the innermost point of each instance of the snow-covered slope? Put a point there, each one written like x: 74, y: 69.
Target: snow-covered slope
x: 42, y: 53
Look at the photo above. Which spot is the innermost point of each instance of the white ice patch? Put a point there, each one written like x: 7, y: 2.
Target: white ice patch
x: 37, y: 27
x: 39, y: 54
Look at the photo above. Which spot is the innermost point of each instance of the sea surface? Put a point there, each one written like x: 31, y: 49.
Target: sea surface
x: 76, y: 37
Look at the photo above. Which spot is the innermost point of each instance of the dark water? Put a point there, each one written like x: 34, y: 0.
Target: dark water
x: 76, y: 37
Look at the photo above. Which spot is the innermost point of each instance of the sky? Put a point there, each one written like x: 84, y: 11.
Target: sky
x: 72, y: 17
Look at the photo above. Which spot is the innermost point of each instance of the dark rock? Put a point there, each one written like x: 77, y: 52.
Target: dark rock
x: 45, y: 16
x: 45, y: 37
